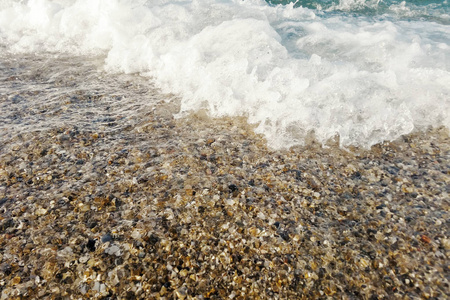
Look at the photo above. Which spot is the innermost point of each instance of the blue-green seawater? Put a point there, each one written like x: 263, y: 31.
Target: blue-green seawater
x: 412, y: 10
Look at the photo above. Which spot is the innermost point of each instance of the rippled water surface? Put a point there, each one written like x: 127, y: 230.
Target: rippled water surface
x: 40, y: 93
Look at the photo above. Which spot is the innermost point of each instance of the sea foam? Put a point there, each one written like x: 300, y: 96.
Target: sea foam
x: 290, y: 70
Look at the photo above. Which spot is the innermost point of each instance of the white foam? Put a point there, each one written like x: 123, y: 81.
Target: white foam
x: 287, y: 69
x: 347, y: 5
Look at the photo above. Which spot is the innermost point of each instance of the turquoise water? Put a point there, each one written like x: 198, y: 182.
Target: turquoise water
x: 423, y: 10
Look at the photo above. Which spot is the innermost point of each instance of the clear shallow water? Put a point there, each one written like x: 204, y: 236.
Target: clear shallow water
x: 48, y: 92
x: 367, y: 71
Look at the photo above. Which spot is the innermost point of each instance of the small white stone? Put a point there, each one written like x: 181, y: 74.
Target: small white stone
x: 136, y: 234
x: 229, y: 202
x: 40, y: 211
x: 113, y: 250
x: 446, y: 243
x: 84, y: 259
x: 261, y: 216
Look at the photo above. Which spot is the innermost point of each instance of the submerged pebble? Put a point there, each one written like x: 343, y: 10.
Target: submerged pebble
x: 135, y: 213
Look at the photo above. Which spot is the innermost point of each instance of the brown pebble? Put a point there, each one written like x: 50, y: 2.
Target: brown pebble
x: 425, y: 239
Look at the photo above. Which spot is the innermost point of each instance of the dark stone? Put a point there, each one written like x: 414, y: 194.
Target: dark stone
x: 17, y: 99
x: 106, y: 238
x: 165, y: 223
x: 92, y: 224
x: 285, y: 236
x: 322, y: 273
x: 6, y: 269
x: 7, y: 224
x: 142, y: 179
x: 392, y: 170
x: 68, y: 280
x: 356, y: 175
x: 130, y: 295
x: 262, y: 166
x: 371, y: 231
x: 91, y: 245
x: 347, y: 195
x: 153, y: 239
x: 118, y: 261
x: 298, y: 174
x: 381, y: 206
x: 233, y: 188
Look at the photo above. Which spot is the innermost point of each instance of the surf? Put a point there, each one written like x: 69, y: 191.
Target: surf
x: 362, y: 71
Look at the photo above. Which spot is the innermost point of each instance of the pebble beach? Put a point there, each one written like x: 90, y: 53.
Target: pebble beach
x: 100, y: 203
